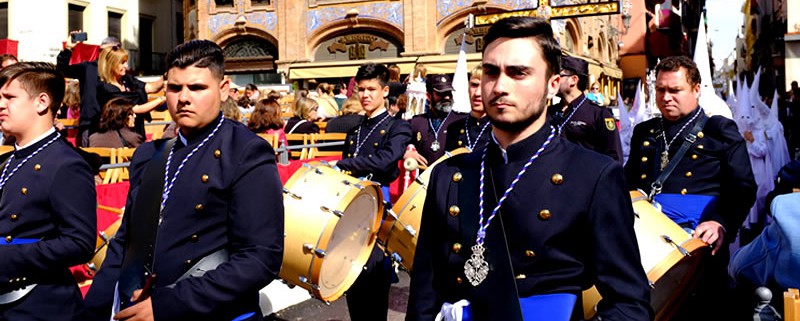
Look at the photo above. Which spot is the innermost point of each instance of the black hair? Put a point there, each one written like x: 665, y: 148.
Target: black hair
x: 674, y: 63
x: 373, y: 71
x: 36, y: 78
x: 528, y: 27
x: 198, y: 53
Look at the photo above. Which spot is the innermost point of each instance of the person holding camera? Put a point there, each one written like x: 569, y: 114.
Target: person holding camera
x: 87, y: 74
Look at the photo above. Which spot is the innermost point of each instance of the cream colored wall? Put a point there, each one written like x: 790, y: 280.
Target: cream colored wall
x: 40, y: 26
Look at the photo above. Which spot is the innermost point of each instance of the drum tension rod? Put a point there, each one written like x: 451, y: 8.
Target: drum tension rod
x: 345, y: 182
x: 391, y: 213
x: 680, y: 248
x: 308, y: 248
x: 304, y: 279
x: 410, y: 229
x: 293, y: 195
x: 318, y: 171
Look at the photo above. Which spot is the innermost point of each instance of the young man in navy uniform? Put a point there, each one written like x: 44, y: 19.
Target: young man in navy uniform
x: 373, y: 149
x: 564, y: 222
x: 474, y: 131
x: 47, y: 200
x: 711, y: 188
x: 430, y: 129
x: 203, y: 226
x: 581, y: 120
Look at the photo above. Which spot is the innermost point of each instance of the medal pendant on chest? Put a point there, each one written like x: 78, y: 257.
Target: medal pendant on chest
x: 476, y: 268
x: 435, y: 146
x: 664, y: 160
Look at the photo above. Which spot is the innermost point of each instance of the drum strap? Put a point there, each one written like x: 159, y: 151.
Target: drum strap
x: 690, y: 138
x: 141, y: 226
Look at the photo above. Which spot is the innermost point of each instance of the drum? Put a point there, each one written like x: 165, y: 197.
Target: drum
x: 669, y: 255
x: 101, y: 246
x: 398, y: 234
x: 331, y: 222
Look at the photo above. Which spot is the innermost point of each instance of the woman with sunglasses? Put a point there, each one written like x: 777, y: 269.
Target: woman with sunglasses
x: 595, y: 95
x: 112, y: 66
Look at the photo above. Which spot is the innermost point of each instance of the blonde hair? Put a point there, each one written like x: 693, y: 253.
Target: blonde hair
x: 476, y: 72
x: 303, y: 107
x: 352, y: 105
x: 110, y: 58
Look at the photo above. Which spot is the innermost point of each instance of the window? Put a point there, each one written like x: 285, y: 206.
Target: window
x: 224, y: 3
x: 75, y: 17
x: 262, y: 3
x: 115, y: 25
x: 4, y: 20
x: 179, y: 28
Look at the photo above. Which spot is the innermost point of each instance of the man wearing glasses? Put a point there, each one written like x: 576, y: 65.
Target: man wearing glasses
x: 579, y: 119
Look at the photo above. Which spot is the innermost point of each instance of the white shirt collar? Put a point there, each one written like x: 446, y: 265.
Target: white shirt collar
x: 37, y: 139
x: 183, y: 139
x: 378, y: 113
x: 503, y: 152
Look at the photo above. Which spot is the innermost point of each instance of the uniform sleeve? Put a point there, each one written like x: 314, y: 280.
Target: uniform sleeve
x: 611, y: 144
x: 76, y: 71
x: 620, y: 277
x: 738, y: 186
x: 386, y: 156
x: 99, y: 299
x: 632, y: 175
x: 73, y: 204
x: 255, y: 234
x: 424, y: 300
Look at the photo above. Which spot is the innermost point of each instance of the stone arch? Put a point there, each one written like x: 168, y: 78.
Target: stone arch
x: 344, y: 26
x: 231, y: 35
x: 455, y: 21
x: 573, y: 28
x: 602, y: 53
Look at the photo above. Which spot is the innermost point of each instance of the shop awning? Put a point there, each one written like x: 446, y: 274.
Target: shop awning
x: 343, y: 69
x: 441, y: 64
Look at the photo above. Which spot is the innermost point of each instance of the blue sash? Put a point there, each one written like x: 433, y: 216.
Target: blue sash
x: 20, y: 241
x: 244, y: 316
x: 386, y: 194
x: 548, y: 307
x: 685, y: 209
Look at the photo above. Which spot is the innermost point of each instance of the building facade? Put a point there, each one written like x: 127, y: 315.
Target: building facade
x: 147, y: 28
x: 268, y: 41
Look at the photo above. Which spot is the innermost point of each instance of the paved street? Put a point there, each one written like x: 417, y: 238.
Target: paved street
x: 315, y: 310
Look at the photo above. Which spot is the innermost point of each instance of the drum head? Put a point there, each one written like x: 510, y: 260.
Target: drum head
x: 350, y: 244
x: 674, y: 285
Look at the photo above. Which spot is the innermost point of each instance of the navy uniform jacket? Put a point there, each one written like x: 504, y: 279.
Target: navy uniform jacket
x: 717, y: 164
x: 228, y: 195
x: 423, y: 135
x: 50, y: 198
x: 379, y: 152
x: 457, y: 136
x: 591, y: 126
x: 568, y: 224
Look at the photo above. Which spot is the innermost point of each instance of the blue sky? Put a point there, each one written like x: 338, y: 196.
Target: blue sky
x: 724, y: 22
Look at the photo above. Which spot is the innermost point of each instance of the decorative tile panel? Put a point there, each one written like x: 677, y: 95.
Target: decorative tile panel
x: 222, y: 21
x: 447, y: 7
x: 391, y: 12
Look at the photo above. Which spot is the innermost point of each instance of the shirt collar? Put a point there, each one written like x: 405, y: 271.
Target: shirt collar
x: 37, y: 139
x: 200, y: 134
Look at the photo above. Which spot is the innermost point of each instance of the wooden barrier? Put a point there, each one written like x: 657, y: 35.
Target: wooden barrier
x: 791, y: 305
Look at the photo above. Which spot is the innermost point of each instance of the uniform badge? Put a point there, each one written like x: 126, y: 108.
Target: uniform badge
x: 419, y: 136
x: 610, y: 124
